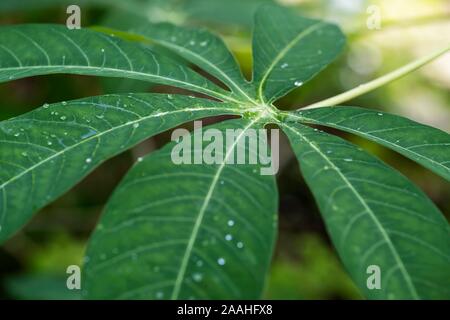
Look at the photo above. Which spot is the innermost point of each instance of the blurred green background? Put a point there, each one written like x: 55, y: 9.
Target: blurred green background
x: 305, y: 266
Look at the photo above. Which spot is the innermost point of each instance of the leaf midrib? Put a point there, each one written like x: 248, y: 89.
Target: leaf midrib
x: 199, y: 219
x: 386, y: 237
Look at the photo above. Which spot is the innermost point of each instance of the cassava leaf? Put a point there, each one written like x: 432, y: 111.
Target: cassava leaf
x: 426, y: 145
x: 375, y: 216
x: 202, y: 48
x: 30, y: 50
x: 288, y: 50
x: 45, y: 152
x: 205, y: 231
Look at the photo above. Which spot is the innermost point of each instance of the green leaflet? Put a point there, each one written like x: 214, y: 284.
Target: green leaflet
x: 45, y: 152
x: 30, y: 50
x: 217, y: 12
x: 426, y: 145
x: 375, y: 216
x: 206, y: 231
x: 203, y: 49
x: 289, y: 50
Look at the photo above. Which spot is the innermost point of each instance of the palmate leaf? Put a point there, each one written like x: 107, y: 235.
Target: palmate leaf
x: 202, y: 48
x: 375, y: 216
x: 45, y: 152
x: 186, y: 231
x: 426, y: 145
x: 30, y: 50
x: 288, y: 50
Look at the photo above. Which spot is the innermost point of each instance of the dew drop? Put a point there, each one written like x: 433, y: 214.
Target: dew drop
x: 203, y: 43
x: 298, y: 83
x: 284, y: 65
x: 24, y: 154
x: 63, y: 103
x: 192, y: 42
x: 63, y: 118
x: 88, y: 160
x: 379, y: 113
x: 103, y: 50
x: 197, y: 277
x: 199, y: 263
x: 140, y: 159
x: 136, y: 125
x: 45, y: 106
x: 221, y: 261
x: 230, y: 223
x: 159, y: 295
x: 17, y: 134
x: 348, y: 159
x: 240, y: 245
x: 228, y: 237
x: 49, y: 143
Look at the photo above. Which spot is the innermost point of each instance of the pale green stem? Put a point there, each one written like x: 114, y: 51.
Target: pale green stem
x: 374, y: 84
